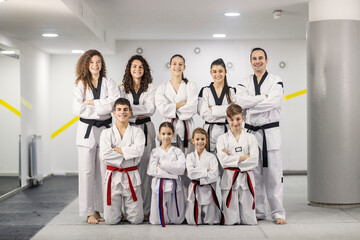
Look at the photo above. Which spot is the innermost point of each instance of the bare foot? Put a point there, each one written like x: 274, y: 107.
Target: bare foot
x: 92, y: 220
x: 98, y: 217
x: 280, y: 221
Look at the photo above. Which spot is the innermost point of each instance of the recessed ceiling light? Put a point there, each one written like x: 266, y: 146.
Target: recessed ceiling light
x: 7, y: 52
x: 50, y: 35
x: 78, y: 51
x: 219, y: 35
x: 232, y: 14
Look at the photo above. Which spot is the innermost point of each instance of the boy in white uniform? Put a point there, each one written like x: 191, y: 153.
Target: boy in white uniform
x: 238, y: 153
x: 260, y: 95
x: 121, y: 148
x: 202, y: 167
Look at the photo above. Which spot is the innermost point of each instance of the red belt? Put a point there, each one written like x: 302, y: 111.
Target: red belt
x: 236, y: 173
x: 129, y: 169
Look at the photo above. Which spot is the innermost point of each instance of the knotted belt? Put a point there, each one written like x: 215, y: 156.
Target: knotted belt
x: 161, y: 200
x: 262, y: 128
x: 126, y: 170
x: 236, y: 174
x: 97, y: 123
x: 186, y: 132
x: 216, y: 123
x: 143, y: 121
x: 213, y: 194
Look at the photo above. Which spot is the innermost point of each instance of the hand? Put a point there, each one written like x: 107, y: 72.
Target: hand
x: 266, y: 96
x: 209, y: 169
x: 141, y: 116
x: 210, y: 107
x: 180, y: 104
x: 243, y: 158
x: 225, y: 151
x: 118, y: 150
x: 89, y: 102
x: 158, y: 165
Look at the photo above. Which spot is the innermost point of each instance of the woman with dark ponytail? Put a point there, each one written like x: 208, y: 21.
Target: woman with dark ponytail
x: 213, y: 101
x: 177, y: 102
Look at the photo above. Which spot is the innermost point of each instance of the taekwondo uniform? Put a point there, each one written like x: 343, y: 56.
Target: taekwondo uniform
x: 203, y: 206
x: 122, y: 179
x: 182, y: 118
x: 143, y: 104
x: 237, y: 183
x: 215, y: 119
x: 167, y: 201
x: 262, y: 119
x: 93, y: 120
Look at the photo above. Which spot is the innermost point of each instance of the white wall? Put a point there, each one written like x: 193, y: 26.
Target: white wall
x: 10, y: 122
x: 34, y: 87
x: 293, y: 52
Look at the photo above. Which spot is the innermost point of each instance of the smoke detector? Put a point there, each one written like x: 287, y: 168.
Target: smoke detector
x: 277, y: 14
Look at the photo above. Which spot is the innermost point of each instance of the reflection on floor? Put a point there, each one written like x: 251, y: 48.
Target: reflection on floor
x: 7, y: 184
x: 304, y: 221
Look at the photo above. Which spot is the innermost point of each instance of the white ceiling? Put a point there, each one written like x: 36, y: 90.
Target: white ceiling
x: 84, y: 24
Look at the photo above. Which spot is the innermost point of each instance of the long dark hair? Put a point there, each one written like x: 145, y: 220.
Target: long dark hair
x: 221, y: 62
x: 146, y: 78
x: 182, y: 75
x: 82, y: 68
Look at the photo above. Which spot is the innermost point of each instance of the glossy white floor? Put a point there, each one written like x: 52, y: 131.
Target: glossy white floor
x: 304, y: 222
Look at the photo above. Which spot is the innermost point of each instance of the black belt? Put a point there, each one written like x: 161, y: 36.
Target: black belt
x: 216, y: 123
x: 262, y: 128
x: 97, y: 123
x: 143, y: 121
x: 213, y: 193
x: 186, y: 134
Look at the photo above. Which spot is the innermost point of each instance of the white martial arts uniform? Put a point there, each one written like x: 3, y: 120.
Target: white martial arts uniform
x: 91, y: 169
x: 238, y: 197
x: 121, y: 167
x: 215, y: 118
x: 144, y: 104
x: 259, y: 112
x: 182, y: 118
x: 202, y: 189
x: 166, y: 186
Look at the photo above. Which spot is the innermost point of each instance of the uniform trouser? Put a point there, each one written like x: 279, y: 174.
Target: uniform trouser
x: 91, y: 175
x: 208, y: 214
x: 180, y: 144
x: 122, y: 199
x: 169, y: 206
x: 269, y: 183
x: 143, y: 165
x: 240, y: 207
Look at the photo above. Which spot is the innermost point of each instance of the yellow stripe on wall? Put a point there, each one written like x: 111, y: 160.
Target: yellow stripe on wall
x: 296, y: 94
x: 11, y: 108
x: 64, y: 127
x: 26, y: 103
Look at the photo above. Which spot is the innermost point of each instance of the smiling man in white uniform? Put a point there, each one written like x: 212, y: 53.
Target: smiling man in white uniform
x: 261, y: 95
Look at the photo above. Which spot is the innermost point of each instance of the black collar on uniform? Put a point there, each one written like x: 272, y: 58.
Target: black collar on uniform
x: 258, y: 85
x: 136, y: 97
x: 96, y: 91
x: 218, y: 101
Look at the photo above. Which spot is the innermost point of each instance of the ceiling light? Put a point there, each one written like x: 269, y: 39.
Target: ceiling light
x: 277, y: 14
x: 78, y: 51
x: 50, y: 35
x: 7, y: 52
x: 2, y: 1
x: 232, y: 14
x: 219, y: 35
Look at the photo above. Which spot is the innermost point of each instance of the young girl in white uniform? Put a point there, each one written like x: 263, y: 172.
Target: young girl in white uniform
x: 203, y: 206
x: 166, y: 165
x: 176, y: 100
x: 94, y: 97
x: 121, y: 148
x: 213, y: 101
x: 238, y: 154
x: 137, y: 88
